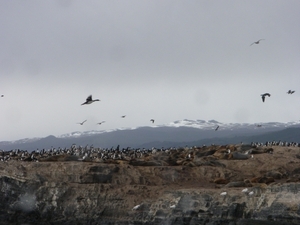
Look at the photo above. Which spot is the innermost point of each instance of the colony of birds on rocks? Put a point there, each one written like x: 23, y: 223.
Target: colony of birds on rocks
x: 141, y: 156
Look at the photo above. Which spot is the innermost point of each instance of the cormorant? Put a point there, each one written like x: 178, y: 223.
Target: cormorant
x: 257, y: 42
x: 89, y: 100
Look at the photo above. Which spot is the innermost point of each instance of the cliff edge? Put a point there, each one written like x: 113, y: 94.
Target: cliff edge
x: 231, y: 184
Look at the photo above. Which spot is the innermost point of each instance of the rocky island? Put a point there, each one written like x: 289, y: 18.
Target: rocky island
x: 228, y: 184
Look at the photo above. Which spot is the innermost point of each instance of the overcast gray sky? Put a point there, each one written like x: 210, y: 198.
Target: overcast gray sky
x: 167, y: 60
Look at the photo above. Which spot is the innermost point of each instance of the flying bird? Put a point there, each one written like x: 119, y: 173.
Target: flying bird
x: 101, y: 122
x: 2, y: 96
x: 123, y: 116
x: 263, y: 96
x: 217, y: 128
x: 152, y: 120
x: 289, y: 92
x: 257, y: 42
x: 89, y: 100
x: 82, y: 122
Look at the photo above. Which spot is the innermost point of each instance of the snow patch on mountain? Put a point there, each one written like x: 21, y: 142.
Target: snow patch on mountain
x: 212, y: 124
x: 199, y: 124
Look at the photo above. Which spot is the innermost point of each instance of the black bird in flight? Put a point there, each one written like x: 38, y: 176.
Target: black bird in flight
x: 152, y: 120
x: 101, y: 122
x: 123, y: 116
x: 257, y: 42
x: 2, y: 96
x: 217, y: 128
x: 82, y: 122
x: 263, y: 96
x: 89, y: 100
x: 290, y: 92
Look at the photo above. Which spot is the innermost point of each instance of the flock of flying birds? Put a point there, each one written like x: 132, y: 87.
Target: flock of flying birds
x: 90, y: 100
x: 263, y: 96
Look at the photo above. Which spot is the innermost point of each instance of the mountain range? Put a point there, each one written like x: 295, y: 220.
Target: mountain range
x: 178, y: 133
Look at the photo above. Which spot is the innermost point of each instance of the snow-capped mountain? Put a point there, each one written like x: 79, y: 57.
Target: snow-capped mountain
x: 180, y: 132
x: 199, y: 124
x: 210, y: 124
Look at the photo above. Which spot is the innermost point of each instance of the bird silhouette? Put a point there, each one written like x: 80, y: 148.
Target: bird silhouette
x: 123, y: 116
x: 257, y: 42
x: 89, y: 100
x: 290, y: 92
x: 82, y: 122
x: 263, y: 96
x: 101, y: 122
x: 217, y: 128
x: 258, y: 125
x: 2, y: 96
x: 152, y: 120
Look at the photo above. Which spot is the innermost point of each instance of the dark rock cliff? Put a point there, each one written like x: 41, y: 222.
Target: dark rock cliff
x: 122, y: 193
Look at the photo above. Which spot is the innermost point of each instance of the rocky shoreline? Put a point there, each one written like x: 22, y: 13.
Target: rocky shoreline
x: 200, y: 185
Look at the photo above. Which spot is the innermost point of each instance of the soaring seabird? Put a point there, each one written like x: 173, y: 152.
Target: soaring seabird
x: 290, y: 92
x: 152, y: 120
x: 217, y: 128
x: 82, y: 122
x: 257, y: 42
x: 2, y: 96
x: 263, y: 96
x: 123, y: 116
x: 89, y: 100
x: 101, y: 122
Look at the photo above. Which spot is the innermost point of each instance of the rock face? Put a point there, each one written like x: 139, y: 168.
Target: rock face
x: 157, y: 190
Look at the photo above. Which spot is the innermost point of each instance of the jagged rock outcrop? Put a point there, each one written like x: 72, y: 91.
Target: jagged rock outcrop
x: 68, y: 192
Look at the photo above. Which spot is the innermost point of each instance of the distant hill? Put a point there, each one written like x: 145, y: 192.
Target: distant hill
x: 287, y: 135
x: 165, y: 136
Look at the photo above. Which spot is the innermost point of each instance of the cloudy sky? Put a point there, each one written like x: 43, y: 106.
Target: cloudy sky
x: 167, y: 60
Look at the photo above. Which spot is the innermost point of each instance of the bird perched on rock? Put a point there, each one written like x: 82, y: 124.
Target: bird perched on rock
x: 136, y: 207
x: 224, y: 193
x: 257, y: 42
x: 245, y: 190
x: 89, y: 100
x: 290, y: 92
x: 263, y: 96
